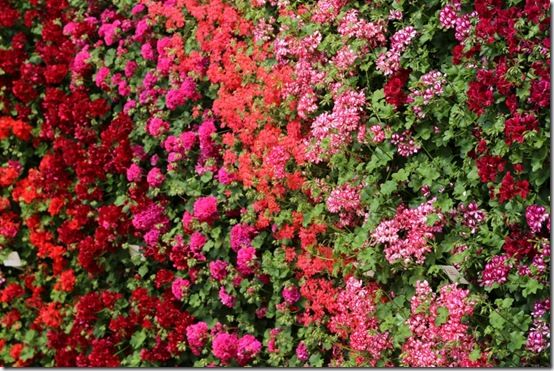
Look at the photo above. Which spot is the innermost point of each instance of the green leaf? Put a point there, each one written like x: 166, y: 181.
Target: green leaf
x: 475, y: 354
x: 517, y: 339
x: 388, y: 187
x: 138, y: 338
x: 531, y: 287
x: 442, y: 316
x: 496, y: 320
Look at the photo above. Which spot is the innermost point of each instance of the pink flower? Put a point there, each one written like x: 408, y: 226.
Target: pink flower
x: 187, y: 222
x: 224, y: 177
x: 205, y: 209
x: 188, y: 140
x: 248, y: 348
x: 404, y: 143
x: 197, y: 334
x: 156, y: 126
x: 177, y: 97
x: 225, y: 298
x: 355, y: 319
x: 539, y: 336
x: 240, y: 235
x: 197, y: 241
x: 536, y: 215
x: 218, y: 269
x: 80, y: 63
x: 378, y: 133
x: 302, y: 352
x: 109, y: 32
x: 134, y: 173
x: 150, y: 216
x: 155, y: 178
x: 291, y: 294
x: 246, y: 257
x: 130, y: 68
x: 496, y: 271
x: 443, y: 343
x: 147, y: 52
x: 179, y: 286
x: 405, y: 236
x: 101, y: 75
x: 224, y: 347
x: 345, y: 200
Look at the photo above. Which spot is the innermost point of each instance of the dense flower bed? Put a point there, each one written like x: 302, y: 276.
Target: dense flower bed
x: 274, y: 182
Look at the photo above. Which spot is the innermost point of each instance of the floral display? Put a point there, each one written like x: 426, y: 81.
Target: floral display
x: 275, y: 183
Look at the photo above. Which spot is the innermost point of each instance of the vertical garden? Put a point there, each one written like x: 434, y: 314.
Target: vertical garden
x: 275, y: 183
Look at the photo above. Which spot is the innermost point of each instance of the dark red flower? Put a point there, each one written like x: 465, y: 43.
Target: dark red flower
x: 515, y: 127
x: 394, y: 93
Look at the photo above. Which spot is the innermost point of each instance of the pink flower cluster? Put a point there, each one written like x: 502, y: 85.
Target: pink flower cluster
x: 205, y: 209
x: 197, y: 335
x: 241, y: 236
x: 225, y: 298
x: 302, y: 352
x: 405, y: 144
x: 355, y: 320
x: 471, y: 215
x: 345, y: 200
x: 389, y: 62
x: 332, y: 131
x: 352, y: 26
x: 406, y: 235
x: 450, y: 17
x: 496, y: 271
x: 228, y: 347
x: 291, y: 294
x: 536, y: 215
x: 246, y: 260
x: 179, y: 287
x: 538, y: 338
x: 177, y: 97
x: 434, y: 341
x: 430, y: 85
x: 326, y: 10
x: 153, y: 221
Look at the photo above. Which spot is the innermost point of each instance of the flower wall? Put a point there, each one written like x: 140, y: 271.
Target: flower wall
x: 275, y: 183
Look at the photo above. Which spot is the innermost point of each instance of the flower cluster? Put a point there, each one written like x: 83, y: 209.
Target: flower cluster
x: 438, y: 333
x: 406, y: 236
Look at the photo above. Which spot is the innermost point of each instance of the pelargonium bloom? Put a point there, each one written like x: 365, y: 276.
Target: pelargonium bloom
x: 406, y: 235
x: 205, y: 209
x: 134, y: 173
x: 302, y: 352
x: 225, y: 298
x: 179, y: 286
x: 536, y: 215
x: 496, y: 271
x: 218, y: 269
x: 240, y: 235
x: 224, y: 346
x: 197, y: 334
x: 155, y: 178
x: 246, y: 257
x: 248, y: 348
x: 291, y: 294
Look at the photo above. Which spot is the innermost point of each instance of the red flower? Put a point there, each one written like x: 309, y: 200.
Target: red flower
x: 480, y: 93
x: 15, y: 351
x: 66, y: 281
x: 510, y: 189
x: 518, y: 244
x: 489, y: 166
x: 393, y: 88
x: 515, y: 127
